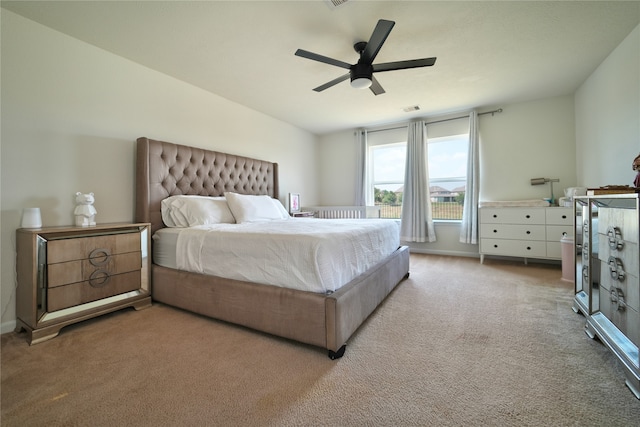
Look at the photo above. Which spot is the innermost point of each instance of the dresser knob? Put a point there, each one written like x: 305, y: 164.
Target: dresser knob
x: 617, y: 297
x: 99, y: 278
x: 615, y: 238
x: 616, y: 269
x: 99, y: 256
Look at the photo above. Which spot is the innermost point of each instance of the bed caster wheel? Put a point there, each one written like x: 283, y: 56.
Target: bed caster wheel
x: 333, y: 355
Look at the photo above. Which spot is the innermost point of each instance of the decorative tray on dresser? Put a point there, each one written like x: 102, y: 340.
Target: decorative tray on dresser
x: 607, y: 289
x: 69, y: 274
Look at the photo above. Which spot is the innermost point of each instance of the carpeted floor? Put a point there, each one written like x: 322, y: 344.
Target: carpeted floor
x: 458, y: 343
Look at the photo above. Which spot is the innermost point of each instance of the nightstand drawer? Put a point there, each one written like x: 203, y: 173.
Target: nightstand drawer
x: 94, y: 247
x: 65, y: 273
x: 100, y: 287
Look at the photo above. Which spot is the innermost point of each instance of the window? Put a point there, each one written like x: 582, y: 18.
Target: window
x: 387, y: 171
x: 447, y: 175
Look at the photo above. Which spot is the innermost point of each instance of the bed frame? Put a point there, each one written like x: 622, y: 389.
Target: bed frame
x: 164, y: 169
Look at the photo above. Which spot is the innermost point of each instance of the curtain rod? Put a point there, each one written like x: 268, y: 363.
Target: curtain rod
x: 499, y: 110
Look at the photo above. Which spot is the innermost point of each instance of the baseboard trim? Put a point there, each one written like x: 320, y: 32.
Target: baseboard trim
x: 445, y: 253
x: 7, y: 327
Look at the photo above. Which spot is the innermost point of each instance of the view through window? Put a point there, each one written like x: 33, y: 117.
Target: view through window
x: 447, y: 176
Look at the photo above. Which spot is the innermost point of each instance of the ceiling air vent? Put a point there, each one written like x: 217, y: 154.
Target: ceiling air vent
x: 333, y: 4
x: 410, y: 109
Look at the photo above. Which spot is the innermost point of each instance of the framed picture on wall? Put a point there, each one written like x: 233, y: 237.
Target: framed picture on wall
x: 294, y: 202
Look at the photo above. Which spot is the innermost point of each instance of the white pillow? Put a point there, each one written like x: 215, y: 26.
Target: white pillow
x: 189, y: 211
x: 249, y: 208
x: 166, y: 209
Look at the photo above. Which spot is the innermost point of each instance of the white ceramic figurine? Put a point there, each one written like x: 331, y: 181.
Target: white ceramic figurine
x: 85, y: 212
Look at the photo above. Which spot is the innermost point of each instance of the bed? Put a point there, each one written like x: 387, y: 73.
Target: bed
x: 323, y: 319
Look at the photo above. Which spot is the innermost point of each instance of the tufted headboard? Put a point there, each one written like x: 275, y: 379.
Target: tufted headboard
x: 164, y: 169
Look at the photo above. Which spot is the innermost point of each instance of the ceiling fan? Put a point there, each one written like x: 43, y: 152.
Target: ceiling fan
x: 361, y: 73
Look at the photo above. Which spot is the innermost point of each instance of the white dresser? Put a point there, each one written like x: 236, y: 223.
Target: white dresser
x: 525, y: 232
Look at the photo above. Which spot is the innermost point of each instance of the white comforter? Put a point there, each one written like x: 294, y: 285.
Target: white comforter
x: 317, y: 255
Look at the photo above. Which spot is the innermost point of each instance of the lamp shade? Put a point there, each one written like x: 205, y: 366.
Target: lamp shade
x: 31, y: 218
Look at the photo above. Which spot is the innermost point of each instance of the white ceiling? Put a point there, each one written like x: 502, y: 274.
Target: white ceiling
x: 489, y: 53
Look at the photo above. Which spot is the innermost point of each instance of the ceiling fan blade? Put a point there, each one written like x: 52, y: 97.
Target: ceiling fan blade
x: 380, y: 34
x: 332, y: 83
x: 402, y: 65
x: 320, y: 58
x: 375, y: 87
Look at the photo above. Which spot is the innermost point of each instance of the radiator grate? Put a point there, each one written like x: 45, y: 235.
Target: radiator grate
x: 339, y: 212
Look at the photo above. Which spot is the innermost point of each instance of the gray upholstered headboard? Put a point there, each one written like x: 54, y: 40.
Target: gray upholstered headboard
x: 164, y: 169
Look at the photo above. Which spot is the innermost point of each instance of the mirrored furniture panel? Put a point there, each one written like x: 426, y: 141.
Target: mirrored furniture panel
x: 69, y: 274
x: 607, y: 289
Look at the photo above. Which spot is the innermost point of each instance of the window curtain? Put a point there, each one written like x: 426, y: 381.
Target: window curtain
x: 417, y: 224
x: 469, y: 226
x: 361, y: 167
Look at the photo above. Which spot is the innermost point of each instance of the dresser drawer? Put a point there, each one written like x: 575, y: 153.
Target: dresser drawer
x: 629, y: 285
x: 513, y: 231
x: 512, y: 215
x: 555, y: 232
x: 627, y: 319
x: 626, y: 220
x: 93, y: 247
x: 554, y: 250
x: 103, y: 287
x: 628, y: 254
x: 64, y: 273
x: 517, y: 248
x: 560, y: 216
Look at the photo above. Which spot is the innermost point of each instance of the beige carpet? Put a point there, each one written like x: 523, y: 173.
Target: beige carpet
x: 458, y: 343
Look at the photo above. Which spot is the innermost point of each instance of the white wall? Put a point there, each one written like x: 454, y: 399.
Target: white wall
x: 608, y: 118
x: 527, y: 140
x: 71, y: 114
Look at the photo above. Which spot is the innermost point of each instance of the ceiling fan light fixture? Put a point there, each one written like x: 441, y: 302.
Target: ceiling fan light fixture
x: 361, y: 83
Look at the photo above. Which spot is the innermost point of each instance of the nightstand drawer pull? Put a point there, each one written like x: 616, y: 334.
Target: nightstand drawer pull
x: 99, y: 278
x: 99, y: 256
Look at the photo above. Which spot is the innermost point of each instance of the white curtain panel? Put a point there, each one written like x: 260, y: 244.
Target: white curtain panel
x: 469, y: 226
x: 417, y: 223
x: 361, y: 167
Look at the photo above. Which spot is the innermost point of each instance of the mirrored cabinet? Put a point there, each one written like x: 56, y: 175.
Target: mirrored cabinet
x: 607, y: 288
x: 69, y: 274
